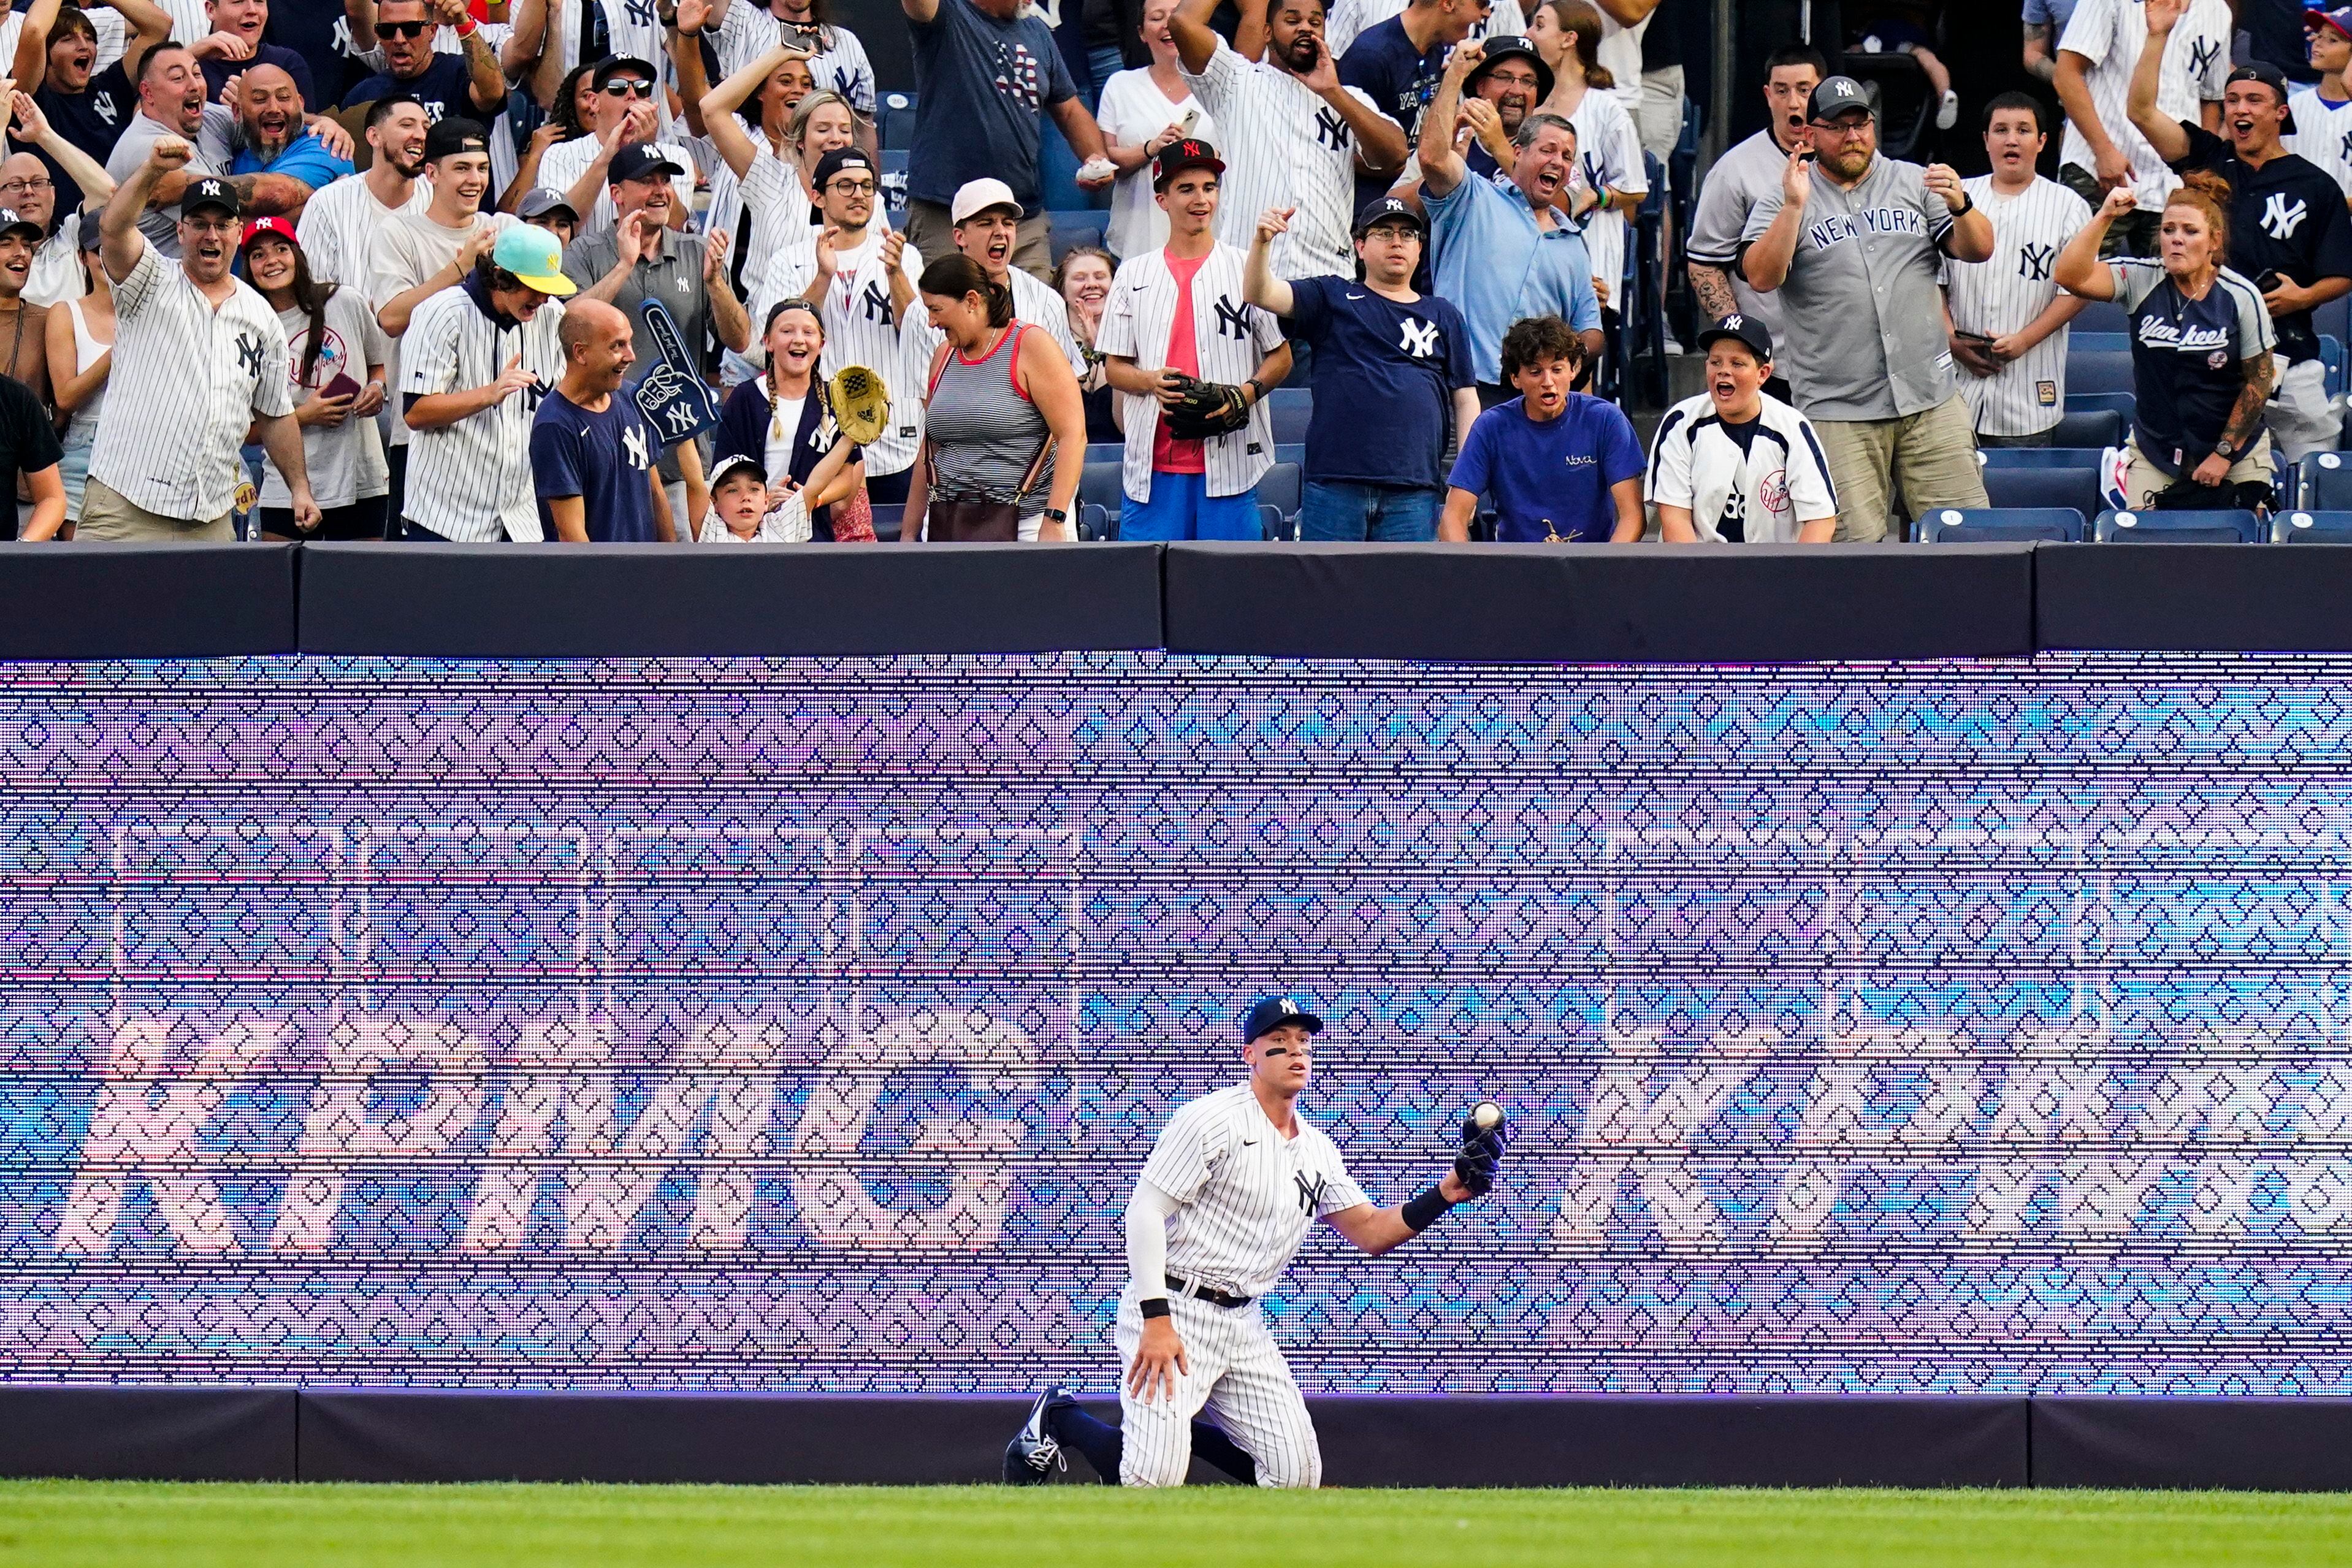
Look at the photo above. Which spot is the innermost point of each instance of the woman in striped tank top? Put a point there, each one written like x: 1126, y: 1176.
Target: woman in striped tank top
x: 1004, y: 430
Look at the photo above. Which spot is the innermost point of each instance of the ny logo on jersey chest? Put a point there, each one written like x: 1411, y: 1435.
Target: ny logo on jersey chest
x: 1330, y: 129
x: 2035, y: 262
x: 248, y: 353
x: 877, y: 301
x: 1419, y: 338
x: 1310, y: 1192
x: 641, y: 12
x: 1233, y: 320
x: 2279, y: 220
x: 2202, y: 53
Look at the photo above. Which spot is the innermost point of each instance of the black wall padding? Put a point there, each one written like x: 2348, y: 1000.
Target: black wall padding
x: 146, y: 601
x: 1631, y: 604
x: 148, y: 1434
x: 2194, y: 598
x: 2257, y: 1445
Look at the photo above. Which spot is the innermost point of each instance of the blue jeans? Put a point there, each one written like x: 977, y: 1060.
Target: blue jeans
x: 1103, y: 62
x: 1355, y: 514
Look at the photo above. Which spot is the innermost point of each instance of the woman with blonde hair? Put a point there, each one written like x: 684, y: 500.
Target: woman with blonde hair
x: 764, y: 196
x: 2201, y: 347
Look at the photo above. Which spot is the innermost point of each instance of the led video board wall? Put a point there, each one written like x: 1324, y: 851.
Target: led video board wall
x: 802, y: 1024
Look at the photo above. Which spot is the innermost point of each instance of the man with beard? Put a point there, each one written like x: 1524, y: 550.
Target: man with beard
x: 592, y: 452
x: 1503, y: 256
x: 199, y: 359
x: 638, y: 259
x: 340, y: 222
x: 1742, y: 177
x: 1513, y: 79
x: 89, y: 107
x: 1306, y: 135
x: 622, y: 116
x: 2288, y: 229
x: 419, y: 254
x: 238, y: 22
x: 171, y: 103
x: 1398, y: 62
x: 270, y: 112
x: 1855, y: 244
x: 465, y: 86
x: 26, y: 187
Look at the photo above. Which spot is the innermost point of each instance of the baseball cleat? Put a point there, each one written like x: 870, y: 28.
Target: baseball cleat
x: 1034, y: 1451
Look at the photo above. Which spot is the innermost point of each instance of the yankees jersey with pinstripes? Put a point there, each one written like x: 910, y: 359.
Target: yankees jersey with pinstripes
x: 2323, y: 135
x: 1608, y: 153
x: 1289, y: 147
x: 470, y: 481
x: 782, y: 218
x: 2001, y: 295
x: 1232, y: 337
x: 750, y: 30
x: 338, y: 228
x: 1758, y: 486
x: 859, y: 329
x: 2109, y: 34
x: 1350, y: 19
x: 1244, y: 1194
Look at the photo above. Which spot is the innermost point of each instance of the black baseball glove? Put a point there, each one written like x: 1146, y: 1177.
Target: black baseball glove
x: 1482, y: 1154
x: 1205, y: 409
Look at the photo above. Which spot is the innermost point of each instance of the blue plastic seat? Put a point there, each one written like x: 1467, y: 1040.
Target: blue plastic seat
x: 1290, y: 451
x: 2099, y: 371
x: 2079, y: 341
x: 1102, y: 485
x: 2180, y: 528
x: 2076, y: 489
x: 2048, y: 525
x: 2310, y: 528
x: 1291, y: 407
x: 2323, y: 481
x: 2101, y: 316
x: 1073, y: 229
x: 2116, y: 402
x: 2096, y: 428
x: 896, y: 112
x: 2041, y: 457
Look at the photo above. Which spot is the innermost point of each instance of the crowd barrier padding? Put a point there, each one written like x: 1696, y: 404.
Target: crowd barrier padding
x: 147, y: 601
x: 2194, y: 597
x: 148, y: 1434
x: 2233, y: 1444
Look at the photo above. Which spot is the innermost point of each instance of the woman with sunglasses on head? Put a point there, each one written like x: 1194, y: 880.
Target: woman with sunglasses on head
x: 336, y: 355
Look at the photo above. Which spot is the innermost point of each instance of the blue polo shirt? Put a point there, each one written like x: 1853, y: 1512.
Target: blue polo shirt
x: 306, y: 159
x: 1498, y: 267
x: 1550, y: 479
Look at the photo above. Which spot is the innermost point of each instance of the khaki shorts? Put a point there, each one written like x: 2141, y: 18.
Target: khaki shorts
x: 105, y: 515
x: 2143, y: 481
x: 1932, y: 454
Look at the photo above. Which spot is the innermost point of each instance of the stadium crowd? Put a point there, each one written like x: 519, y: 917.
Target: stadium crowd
x: 409, y: 255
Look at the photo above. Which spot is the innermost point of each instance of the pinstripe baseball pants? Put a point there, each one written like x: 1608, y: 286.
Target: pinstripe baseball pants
x: 1237, y: 1372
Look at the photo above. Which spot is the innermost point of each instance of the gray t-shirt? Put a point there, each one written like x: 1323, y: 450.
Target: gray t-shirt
x: 1865, y: 317
x: 1740, y: 178
x: 161, y: 224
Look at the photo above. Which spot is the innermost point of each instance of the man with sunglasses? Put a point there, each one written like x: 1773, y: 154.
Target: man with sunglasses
x: 1853, y: 244
x: 1222, y: 1205
x: 622, y: 115
x: 466, y: 86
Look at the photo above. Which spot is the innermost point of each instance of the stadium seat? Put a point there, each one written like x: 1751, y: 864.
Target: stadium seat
x: 2073, y: 488
x: 2079, y: 341
x: 1290, y: 451
x: 897, y: 116
x: 887, y: 520
x: 2331, y: 357
x: 1093, y: 522
x: 2180, y: 528
x: 2323, y: 481
x: 2101, y: 316
x: 2095, y: 429
x: 2310, y: 528
x: 1101, y: 486
x: 2099, y: 371
x: 2334, y: 320
x: 894, y: 185
x: 2117, y: 402
x: 1283, y: 488
x: 1105, y: 452
x: 1072, y: 229
x: 1292, y: 407
x: 2041, y: 457
x: 2051, y: 524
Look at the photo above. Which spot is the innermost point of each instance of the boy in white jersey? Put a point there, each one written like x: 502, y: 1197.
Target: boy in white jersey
x: 1224, y: 1203
x: 2323, y: 114
x: 2008, y: 315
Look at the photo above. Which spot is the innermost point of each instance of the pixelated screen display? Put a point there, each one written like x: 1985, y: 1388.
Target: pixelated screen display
x: 802, y: 1024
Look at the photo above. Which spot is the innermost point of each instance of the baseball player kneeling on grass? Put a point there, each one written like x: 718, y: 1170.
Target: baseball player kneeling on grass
x: 1224, y: 1203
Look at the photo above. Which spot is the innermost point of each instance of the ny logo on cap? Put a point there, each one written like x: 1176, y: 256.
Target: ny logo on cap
x: 1735, y: 323
x: 1847, y: 89
x: 1190, y: 149
x: 1288, y: 1005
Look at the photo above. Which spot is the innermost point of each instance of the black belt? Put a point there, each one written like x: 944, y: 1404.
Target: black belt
x: 1213, y: 1297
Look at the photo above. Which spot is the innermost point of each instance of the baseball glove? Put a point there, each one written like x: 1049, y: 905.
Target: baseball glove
x: 1205, y: 408
x: 1482, y: 1154
x: 860, y: 403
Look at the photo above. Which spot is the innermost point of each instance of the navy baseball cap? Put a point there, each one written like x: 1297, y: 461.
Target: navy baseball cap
x: 640, y: 161
x: 1836, y: 95
x: 834, y: 162
x: 1270, y: 1013
x: 1740, y: 329
x: 2339, y: 18
x: 1389, y: 210
x: 212, y: 192
x: 2271, y: 77
x: 1510, y: 46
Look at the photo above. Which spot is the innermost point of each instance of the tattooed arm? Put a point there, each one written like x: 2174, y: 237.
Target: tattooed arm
x: 1711, y: 287
x: 2245, y: 418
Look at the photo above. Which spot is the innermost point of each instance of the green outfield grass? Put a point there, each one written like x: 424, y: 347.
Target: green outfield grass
x: 64, y: 1525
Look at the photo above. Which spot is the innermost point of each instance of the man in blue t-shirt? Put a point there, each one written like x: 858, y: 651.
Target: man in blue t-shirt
x: 1560, y: 468
x: 467, y: 86
x: 1390, y: 365
x: 1397, y: 63
x: 591, y: 452
x: 984, y: 70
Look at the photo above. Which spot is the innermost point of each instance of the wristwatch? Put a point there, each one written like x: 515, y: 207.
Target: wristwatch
x: 1055, y: 514
x: 1967, y: 205
x: 2227, y: 448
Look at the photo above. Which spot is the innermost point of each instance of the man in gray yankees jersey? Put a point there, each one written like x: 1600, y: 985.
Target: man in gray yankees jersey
x: 1224, y: 1203
x: 1854, y: 244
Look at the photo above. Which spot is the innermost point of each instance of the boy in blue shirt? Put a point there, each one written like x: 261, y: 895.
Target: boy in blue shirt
x: 1563, y: 467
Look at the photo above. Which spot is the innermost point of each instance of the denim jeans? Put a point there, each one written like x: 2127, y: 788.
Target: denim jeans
x: 1382, y: 514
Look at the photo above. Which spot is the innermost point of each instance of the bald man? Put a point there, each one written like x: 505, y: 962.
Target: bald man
x: 591, y: 452
x: 269, y: 103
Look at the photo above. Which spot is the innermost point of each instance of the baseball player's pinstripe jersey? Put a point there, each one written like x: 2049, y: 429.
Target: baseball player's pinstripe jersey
x: 187, y: 381
x: 2323, y: 135
x: 1608, y: 153
x: 340, y: 224
x: 1232, y: 337
x: 1758, y: 495
x: 471, y: 480
x: 749, y: 30
x: 2006, y: 293
x: 1288, y: 149
x: 2108, y: 33
x: 1865, y: 337
x: 859, y: 329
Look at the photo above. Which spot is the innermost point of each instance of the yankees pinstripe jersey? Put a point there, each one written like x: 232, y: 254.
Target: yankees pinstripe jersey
x: 1246, y: 1194
x: 340, y: 224
x: 188, y: 381
x: 2323, y: 135
x: 1756, y: 485
x: 471, y: 480
x: 2108, y: 33
x: 1295, y: 150
x: 561, y: 168
x: 1350, y: 19
x: 409, y: 247
x: 859, y: 329
x: 1232, y: 337
x: 2002, y: 294
x: 782, y: 216
x: 1608, y: 153
x: 749, y: 30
